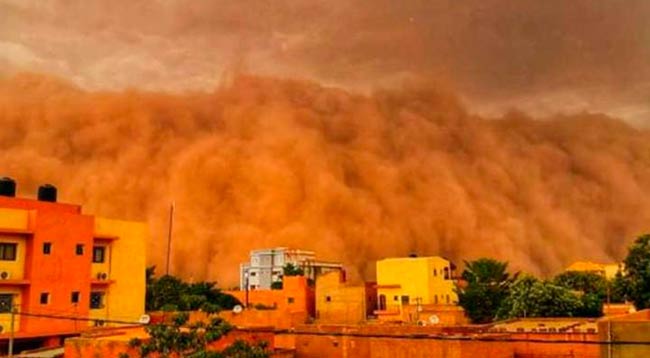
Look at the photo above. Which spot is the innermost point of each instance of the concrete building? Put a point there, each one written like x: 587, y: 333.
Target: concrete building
x: 413, y: 281
x: 62, y: 271
x: 266, y: 266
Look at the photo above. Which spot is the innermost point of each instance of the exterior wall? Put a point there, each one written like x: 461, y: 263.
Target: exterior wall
x: 396, y: 341
x: 58, y: 274
x: 114, y: 344
x: 296, y: 297
x: 634, y: 327
x: 337, y: 302
x: 445, y: 315
x: 414, y: 280
x: 389, y: 342
x: 125, y: 292
x: 555, y: 345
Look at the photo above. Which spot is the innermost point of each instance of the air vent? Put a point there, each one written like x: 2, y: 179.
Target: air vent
x: 4, y: 275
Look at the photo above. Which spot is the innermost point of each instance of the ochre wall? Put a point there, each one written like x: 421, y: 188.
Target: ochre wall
x: 337, y: 302
x: 125, y: 298
x: 396, y: 341
x: 634, y: 327
x: 416, y: 277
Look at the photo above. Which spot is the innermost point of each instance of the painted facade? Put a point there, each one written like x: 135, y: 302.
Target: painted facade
x: 414, y: 281
x: 338, y: 302
x: 57, y: 264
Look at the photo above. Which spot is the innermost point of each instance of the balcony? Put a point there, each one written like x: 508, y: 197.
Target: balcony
x: 6, y: 283
x: 16, y: 232
x: 98, y: 282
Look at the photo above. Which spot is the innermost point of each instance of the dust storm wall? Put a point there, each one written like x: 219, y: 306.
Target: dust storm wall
x: 264, y: 162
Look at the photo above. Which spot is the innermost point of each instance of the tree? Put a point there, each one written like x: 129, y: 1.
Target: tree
x: 292, y: 270
x: 592, y: 288
x: 530, y: 297
x: 620, y: 288
x: 637, y: 268
x: 487, y: 286
x: 585, y: 282
x: 169, y: 293
x: 288, y: 270
x: 178, y: 339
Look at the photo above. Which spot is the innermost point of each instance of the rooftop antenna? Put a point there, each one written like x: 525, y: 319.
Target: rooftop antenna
x: 169, y: 236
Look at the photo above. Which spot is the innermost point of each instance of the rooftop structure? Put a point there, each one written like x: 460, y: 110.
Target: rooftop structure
x: 266, y: 266
x: 608, y: 271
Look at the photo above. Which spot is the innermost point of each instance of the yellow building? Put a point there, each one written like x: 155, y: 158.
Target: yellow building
x: 414, y: 281
x: 608, y: 271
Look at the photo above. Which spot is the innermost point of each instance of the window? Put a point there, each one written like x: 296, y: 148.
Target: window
x: 405, y: 300
x: 395, y: 298
x: 290, y: 300
x: 8, y: 251
x: 435, y: 299
x: 435, y: 272
x: 96, y: 300
x: 45, y: 298
x: 47, y: 248
x: 6, y: 302
x: 328, y: 298
x: 80, y: 249
x: 447, y: 299
x: 253, y: 274
x: 74, y: 297
x: 446, y: 273
x: 99, y: 253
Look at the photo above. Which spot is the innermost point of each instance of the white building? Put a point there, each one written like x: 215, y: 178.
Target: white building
x: 266, y: 266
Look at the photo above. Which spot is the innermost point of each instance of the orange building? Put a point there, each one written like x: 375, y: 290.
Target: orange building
x: 59, y: 268
x: 294, y: 300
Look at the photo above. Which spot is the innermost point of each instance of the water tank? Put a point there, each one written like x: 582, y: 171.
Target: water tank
x: 7, y: 187
x: 47, y: 192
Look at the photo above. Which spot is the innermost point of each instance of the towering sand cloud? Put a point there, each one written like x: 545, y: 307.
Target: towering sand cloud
x: 261, y: 162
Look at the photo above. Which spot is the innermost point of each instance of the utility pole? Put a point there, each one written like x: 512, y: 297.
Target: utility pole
x: 11, y: 331
x: 169, y: 236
